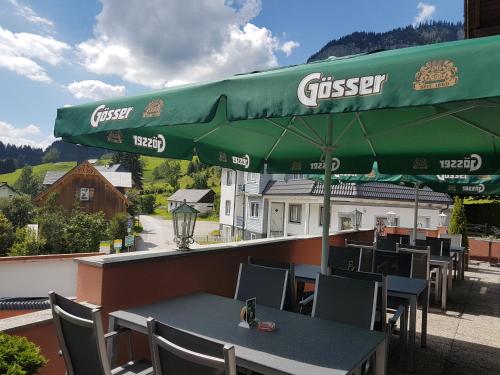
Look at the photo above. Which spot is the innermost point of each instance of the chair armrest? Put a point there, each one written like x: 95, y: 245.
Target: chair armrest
x: 307, y: 300
x: 397, y: 314
x: 112, y: 334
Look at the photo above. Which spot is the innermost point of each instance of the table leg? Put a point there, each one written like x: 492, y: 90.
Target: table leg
x: 425, y: 309
x: 463, y: 265
x: 381, y: 359
x: 444, y: 286
x: 112, y: 342
x: 450, y: 275
x: 437, y: 290
x: 413, y: 330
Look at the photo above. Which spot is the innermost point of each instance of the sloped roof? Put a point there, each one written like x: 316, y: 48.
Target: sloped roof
x: 190, y: 195
x: 111, y: 168
x: 7, y: 185
x: 372, y: 190
x: 117, y: 179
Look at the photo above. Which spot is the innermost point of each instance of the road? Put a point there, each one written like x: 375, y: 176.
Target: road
x: 158, y: 233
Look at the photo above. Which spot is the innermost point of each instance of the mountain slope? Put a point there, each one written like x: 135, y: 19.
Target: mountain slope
x: 360, y: 42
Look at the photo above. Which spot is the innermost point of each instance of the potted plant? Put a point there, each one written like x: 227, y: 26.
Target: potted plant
x: 18, y: 356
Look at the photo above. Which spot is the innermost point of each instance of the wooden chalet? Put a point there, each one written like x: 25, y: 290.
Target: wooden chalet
x: 85, y: 185
x: 482, y: 18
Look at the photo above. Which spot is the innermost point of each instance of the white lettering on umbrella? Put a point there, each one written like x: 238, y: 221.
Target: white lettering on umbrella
x: 473, y: 188
x: 321, y: 165
x: 103, y: 113
x: 244, y: 161
x: 156, y: 143
x: 315, y: 87
x: 444, y: 177
x: 471, y: 163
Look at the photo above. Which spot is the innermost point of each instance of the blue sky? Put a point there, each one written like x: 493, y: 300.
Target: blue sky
x: 55, y: 53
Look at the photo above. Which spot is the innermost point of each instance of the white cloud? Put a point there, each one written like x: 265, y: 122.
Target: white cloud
x: 18, y: 52
x: 178, y: 42
x: 29, y: 135
x: 289, y: 46
x: 425, y: 13
x: 95, y: 90
x: 29, y: 14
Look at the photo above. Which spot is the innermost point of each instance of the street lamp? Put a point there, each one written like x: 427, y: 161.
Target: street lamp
x: 391, y: 218
x: 184, y: 218
x: 442, y: 219
x: 356, y: 214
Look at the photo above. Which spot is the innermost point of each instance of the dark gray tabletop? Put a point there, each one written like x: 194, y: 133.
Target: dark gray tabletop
x: 395, y: 284
x: 300, y: 345
x: 457, y: 249
x: 440, y: 259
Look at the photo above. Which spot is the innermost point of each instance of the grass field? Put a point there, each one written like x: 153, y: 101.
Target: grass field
x: 39, y: 170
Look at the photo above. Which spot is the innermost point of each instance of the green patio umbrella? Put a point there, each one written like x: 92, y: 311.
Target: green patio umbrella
x: 452, y: 184
x: 432, y: 109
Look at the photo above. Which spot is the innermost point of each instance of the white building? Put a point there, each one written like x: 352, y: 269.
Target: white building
x: 275, y: 205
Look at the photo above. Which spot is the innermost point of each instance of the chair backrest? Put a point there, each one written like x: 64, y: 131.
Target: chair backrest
x: 402, y: 239
x: 393, y: 263
x: 345, y: 300
x: 420, y: 260
x: 345, y: 258
x: 381, y: 295
x: 81, y: 337
x: 291, y: 289
x: 386, y: 243
x: 367, y: 252
x: 176, y: 352
x: 266, y: 284
x: 456, y: 239
x: 434, y: 244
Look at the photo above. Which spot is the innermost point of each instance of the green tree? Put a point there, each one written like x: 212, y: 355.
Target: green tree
x: 458, y: 221
x: 51, y: 155
x: 133, y: 195
x: 26, y: 243
x: 148, y: 204
x: 28, y: 182
x: 19, y: 210
x: 6, y: 235
x: 133, y: 163
x: 118, y: 226
x: 18, y: 356
x: 200, y: 180
x: 84, y: 231
x: 52, y: 225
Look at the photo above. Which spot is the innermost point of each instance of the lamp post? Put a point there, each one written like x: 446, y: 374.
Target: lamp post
x: 391, y: 218
x: 442, y: 219
x: 184, y: 219
x: 356, y: 214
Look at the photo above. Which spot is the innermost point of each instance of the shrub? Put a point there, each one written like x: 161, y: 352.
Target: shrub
x: 458, y: 221
x: 118, y: 226
x: 26, y: 243
x: 84, y: 231
x: 18, y: 356
x: 19, y: 210
x: 148, y: 204
x: 51, y: 227
x: 6, y: 234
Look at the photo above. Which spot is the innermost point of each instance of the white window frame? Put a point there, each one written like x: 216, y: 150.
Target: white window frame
x: 253, y: 236
x: 297, y: 218
x: 344, y: 215
x: 227, y: 208
x: 251, y: 177
x: 229, y: 178
x: 251, y: 213
x: 424, y: 219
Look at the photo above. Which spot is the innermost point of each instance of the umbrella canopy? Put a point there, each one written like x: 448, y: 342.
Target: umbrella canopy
x: 429, y: 109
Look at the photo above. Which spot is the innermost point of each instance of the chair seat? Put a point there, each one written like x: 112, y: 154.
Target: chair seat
x: 141, y: 367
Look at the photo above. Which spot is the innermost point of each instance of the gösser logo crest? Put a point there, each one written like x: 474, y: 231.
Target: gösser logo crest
x: 436, y: 74
x: 153, y: 109
x: 103, y: 113
x: 315, y: 86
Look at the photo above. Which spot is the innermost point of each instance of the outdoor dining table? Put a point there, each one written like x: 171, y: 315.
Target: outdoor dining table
x: 397, y: 286
x: 299, y: 345
x: 459, y: 252
x: 445, y: 265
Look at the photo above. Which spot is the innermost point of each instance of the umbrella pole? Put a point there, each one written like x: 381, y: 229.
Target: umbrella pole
x: 325, y: 246
x: 415, y: 214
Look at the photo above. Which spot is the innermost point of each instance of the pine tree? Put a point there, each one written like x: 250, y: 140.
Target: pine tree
x: 133, y: 163
x: 458, y: 221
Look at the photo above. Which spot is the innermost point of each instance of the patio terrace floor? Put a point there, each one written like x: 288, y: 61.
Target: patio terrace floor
x: 465, y: 339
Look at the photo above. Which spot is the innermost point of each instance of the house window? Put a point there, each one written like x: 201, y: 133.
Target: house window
x: 345, y: 221
x: 254, y: 210
x: 229, y: 178
x: 228, y: 208
x: 252, y: 177
x: 295, y: 213
x: 84, y: 194
x: 253, y: 236
x: 424, y: 222
x: 297, y: 176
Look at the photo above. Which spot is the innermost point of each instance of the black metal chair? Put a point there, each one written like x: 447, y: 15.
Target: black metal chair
x: 291, y: 289
x: 393, y: 263
x: 420, y: 268
x: 385, y: 243
x: 346, y: 300
x: 367, y: 253
x: 344, y: 258
x: 176, y: 352
x: 434, y: 243
x: 266, y: 284
x: 83, y: 342
x: 402, y: 239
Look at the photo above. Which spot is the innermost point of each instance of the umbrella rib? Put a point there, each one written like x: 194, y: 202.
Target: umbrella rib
x: 346, y: 129
x: 310, y: 128
x: 296, y: 132
x: 473, y: 125
x: 217, y: 127
x: 279, y: 139
x: 363, y: 129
